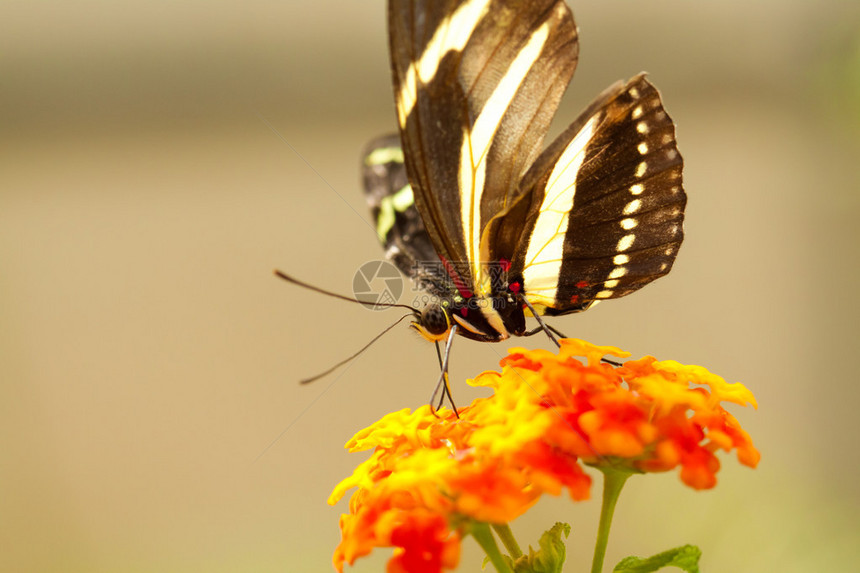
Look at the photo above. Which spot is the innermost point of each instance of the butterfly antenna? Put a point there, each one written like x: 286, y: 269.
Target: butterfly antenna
x: 370, y: 303
x: 354, y: 356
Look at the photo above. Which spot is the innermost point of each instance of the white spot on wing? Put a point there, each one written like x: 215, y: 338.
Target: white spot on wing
x: 632, y: 206
x: 642, y: 127
x: 637, y: 113
x: 388, y: 206
x: 384, y: 155
x: 642, y: 148
x: 628, y: 224
x: 618, y: 272
x: 625, y: 242
x: 641, y: 169
x: 620, y: 260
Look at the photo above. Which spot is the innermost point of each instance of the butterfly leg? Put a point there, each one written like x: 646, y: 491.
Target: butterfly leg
x: 556, y: 331
x: 442, y: 384
x: 560, y: 335
x: 548, y: 328
x: 541, y: 329
x: 543, y: 325
x: 606, y: 360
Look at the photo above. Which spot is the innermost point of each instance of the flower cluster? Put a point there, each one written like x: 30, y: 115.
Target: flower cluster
x: 431, y: 474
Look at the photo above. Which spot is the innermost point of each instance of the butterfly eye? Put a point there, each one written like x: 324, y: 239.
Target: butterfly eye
x: 434, y: 319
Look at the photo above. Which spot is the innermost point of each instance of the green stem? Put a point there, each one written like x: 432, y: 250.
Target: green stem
x: 482, y: 534
x: 503, y: 530
x: 613, y: 481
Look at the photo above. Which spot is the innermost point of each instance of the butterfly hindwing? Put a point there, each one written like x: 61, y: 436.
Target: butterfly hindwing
x: 604, y: 205
x: 399, y: 226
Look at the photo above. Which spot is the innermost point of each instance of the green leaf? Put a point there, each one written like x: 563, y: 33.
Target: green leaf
x: 685, y: 558
x: 550, y: 557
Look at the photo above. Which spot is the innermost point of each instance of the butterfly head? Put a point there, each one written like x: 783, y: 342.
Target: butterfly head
x: 433, y: 322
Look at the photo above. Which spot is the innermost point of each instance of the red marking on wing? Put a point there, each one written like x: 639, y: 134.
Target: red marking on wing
x: 581, y: 284
x: 465, y: 292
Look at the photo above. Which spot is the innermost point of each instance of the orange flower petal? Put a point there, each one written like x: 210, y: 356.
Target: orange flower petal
x: 549, y: 413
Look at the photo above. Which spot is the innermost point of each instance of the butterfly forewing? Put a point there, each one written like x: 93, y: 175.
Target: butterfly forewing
x: 476, y: 84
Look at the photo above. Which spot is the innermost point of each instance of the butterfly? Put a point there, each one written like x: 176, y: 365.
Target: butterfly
x: 470, y: 205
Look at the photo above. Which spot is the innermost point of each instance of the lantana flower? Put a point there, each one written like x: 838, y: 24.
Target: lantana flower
x: 436, y: 476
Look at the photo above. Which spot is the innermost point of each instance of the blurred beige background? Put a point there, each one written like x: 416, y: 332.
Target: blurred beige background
x: 150, y: 358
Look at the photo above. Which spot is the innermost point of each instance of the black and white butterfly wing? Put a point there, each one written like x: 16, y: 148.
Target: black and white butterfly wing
x: 476, y: 84
x: 399, y: 226
x: 603, y: 207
